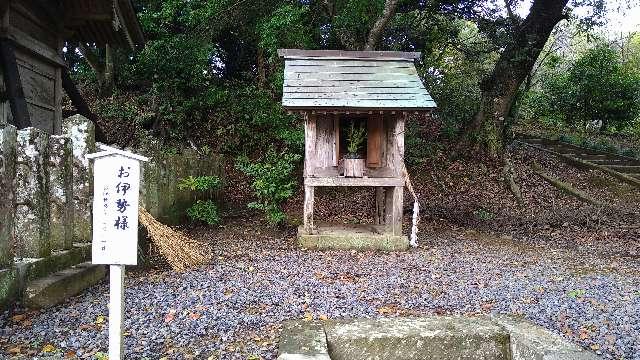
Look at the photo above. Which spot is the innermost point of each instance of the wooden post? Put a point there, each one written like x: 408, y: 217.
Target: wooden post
x: 308, y: 209
x: 393, y: 210
x: 380, y: 202
x: 116, y: 310
x: 13, y: 85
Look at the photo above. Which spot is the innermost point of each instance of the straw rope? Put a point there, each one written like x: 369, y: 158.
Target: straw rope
x: 180, y: 251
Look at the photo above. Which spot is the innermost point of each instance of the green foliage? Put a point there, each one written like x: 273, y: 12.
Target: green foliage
x: 199, y: 183
x: 206, y: 211
x: 484, y: 215
x: 272, y: 181
x: 287, y: 27
x: 202, y: 210
x: 453, y: 72
x: 597, y: 87
x: 356, y: 137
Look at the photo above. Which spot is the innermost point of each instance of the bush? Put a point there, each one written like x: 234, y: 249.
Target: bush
x: 199, y: 183
x: 273, y: 181
x: 597, y: 87
x: 202, y: 210
x: 206, y: 211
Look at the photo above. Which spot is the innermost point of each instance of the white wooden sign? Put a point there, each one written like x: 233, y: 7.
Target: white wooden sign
x: 116, y: 191
x: 115, y: 207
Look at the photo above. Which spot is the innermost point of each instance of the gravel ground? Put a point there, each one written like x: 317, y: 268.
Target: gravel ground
x: 233, y: 308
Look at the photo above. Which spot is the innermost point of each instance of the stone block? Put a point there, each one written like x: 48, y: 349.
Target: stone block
x: 62, y: 285
x: 8, y: 287
x: 31, y: 269
x: 8, y: 138
x: 32, y: 231
x: 530, y: 341
x: 61, y: 189
x: 432, y: 338
x: 302, y: 340
x: 351, y: 237
x: 82, y: 133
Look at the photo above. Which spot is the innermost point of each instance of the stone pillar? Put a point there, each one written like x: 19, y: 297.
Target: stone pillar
x: 32, y: 194
x: 7, y: 189
x: 82, y: 133
x: 61, y: 188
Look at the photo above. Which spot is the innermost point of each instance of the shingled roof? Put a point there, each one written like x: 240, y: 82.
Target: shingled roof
x: 373, y: 80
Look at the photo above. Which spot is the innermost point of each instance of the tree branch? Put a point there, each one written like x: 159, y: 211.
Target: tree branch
x: 512, y: 17
x: 377, y: 29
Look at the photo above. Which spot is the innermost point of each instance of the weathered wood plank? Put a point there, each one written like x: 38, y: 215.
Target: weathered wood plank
x: 308, y: 209
x: 374, y: 76
x: 288, y: 53
x: 349, y: 66
x: 354, y: 89
x: 353, y: 83
x: 393, y: 209
x: 344, y: 181
x: 357, y: 96
x: 13, y: 85
x: 325, y: 147
x: 372, y: 104
x: 292, y: 71
x: 309, y: 144
x: 375, y: 127
x: 379, y: 216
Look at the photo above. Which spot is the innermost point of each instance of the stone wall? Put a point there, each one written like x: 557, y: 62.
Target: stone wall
x: 47, y: 193
x: 159, y: 191
x: 44, y: 180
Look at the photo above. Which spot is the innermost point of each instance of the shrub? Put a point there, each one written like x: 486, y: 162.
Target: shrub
x: 202, y: 210
x: 206, y: 211
x: 273, y: 181
x: 199, y: 183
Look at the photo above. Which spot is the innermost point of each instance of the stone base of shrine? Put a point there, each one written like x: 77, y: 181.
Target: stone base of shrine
x: 351, y: 237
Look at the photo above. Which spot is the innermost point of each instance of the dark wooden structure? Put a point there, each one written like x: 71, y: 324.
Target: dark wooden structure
x: 32, y: 34
x: 334, y: 89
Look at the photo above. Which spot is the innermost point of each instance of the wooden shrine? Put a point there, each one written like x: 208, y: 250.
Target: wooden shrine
x: 32, y: 35
x: 366, y: 95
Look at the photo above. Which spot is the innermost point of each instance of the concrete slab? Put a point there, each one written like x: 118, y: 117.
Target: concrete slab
x: 433, y: 337
x: 302, y: 340
x: 58, y: 287
x: 448, y: 337
x: 530, y: 341
x: 351, y: 237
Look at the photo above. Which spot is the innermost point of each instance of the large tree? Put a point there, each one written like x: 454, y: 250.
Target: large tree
x: 491, y: 122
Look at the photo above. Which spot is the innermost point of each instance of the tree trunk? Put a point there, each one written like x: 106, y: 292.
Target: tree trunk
x: 376, y: 31
x: 109, y: 71
x: 489, y: 125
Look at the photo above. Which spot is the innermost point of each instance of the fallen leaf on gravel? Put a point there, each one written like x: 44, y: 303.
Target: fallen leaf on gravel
x: 14, y: 350
x: 594, y: 347
x: 584, y: 334
x: 48, y: 348
x: 308, y: 316
x: 18, y: 318
x: 487, y: 306
x: 100, y: 319
x: 170, y: 316
x: 323, y: 317
x: 194, y: 316
x: 70, y: 354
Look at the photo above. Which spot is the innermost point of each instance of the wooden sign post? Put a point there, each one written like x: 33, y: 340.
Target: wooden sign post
x: 116, y: 193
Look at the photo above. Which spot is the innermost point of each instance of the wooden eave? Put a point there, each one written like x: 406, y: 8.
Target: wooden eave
x: 94, y: 21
